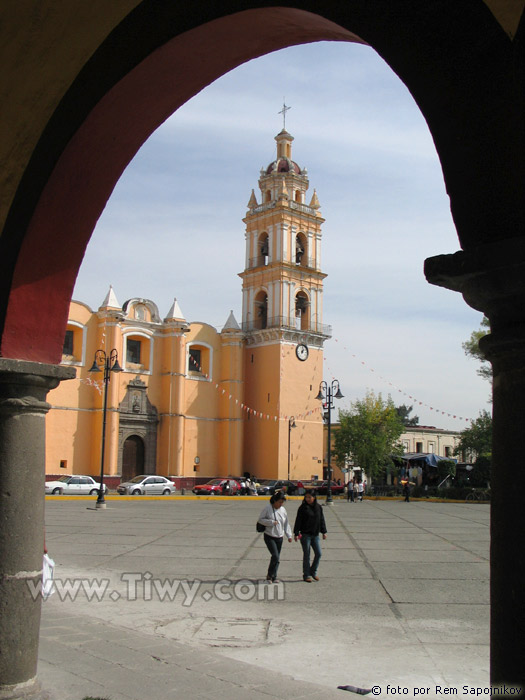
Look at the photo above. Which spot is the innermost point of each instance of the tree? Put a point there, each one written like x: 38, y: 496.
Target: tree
x: 404, y: 415
x: 471, y: 348
x: 368, y: 434
x: 476, y: 441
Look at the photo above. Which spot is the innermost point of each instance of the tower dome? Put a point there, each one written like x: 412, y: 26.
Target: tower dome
x: 283, y: 163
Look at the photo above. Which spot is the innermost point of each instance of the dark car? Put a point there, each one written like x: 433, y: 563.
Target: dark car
x: 270, y: 486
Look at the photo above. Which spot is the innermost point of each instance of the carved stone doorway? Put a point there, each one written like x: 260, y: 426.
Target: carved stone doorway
x: 138, y: 421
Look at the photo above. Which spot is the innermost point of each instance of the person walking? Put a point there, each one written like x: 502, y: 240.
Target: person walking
x: 309, y: 522
x: 275, y: 518
x: 350, y: 491
x: 360, y: 491
x: 406, y: 484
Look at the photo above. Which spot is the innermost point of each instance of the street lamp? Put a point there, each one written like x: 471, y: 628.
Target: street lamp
x: 327, y: 394
x: 109, y: 363
x: 291, y: 424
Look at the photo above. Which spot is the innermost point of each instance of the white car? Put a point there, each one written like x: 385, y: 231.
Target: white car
x: 78, y: 485
x: 148, y: 485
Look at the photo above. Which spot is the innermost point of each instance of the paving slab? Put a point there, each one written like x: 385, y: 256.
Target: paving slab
x: 152, y: 602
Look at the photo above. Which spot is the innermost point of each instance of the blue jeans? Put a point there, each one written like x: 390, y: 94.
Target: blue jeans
x: 274, y: 545
x: 312, y: 541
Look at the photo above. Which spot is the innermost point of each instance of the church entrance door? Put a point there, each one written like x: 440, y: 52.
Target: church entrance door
x: 132, y: 457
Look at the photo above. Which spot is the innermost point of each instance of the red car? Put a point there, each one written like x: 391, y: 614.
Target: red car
x: 321, y: 487
x: 217, y: 487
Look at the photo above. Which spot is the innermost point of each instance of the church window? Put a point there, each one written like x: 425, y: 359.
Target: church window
x: 298, y: 196
x: 268, y: 197
x: 199, y: 362
x: 68, y: 343
x: 194, y: 360
x: 138, y: 352
x: 133, y: 351
x: 73, y: 349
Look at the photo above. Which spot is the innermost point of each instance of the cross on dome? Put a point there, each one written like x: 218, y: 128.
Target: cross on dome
x: 283, y: 112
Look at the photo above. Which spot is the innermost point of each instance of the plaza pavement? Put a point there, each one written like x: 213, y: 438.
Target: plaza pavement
x: 402, y: 604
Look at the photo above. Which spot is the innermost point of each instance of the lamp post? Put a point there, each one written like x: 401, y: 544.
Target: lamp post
x: 109, y: 363
x: 291, y: 424
x: 327, y: 394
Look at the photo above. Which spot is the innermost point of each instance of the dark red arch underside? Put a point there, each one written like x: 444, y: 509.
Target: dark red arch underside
x: 118, y: 125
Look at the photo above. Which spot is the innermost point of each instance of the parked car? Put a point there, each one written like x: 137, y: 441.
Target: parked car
x: 147, y: 485
x: 77, y: 485
x: 215, y: 487
x: 321, y: 487
x: 270, y: 486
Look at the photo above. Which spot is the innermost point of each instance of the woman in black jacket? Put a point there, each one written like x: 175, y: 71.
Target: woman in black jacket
x: 308, y: 524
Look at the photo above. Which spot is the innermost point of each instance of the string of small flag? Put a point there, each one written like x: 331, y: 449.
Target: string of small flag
x: 318, y: 409
x: 401, y: 391
x: 251, y: 411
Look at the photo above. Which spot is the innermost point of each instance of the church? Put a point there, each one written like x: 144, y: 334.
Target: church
x: 192, y: 402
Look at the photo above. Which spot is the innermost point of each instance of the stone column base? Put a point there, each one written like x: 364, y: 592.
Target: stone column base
x: 23, y: 407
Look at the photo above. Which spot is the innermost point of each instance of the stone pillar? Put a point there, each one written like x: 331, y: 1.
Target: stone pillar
x: 23, y: 390
x: 492, y: 279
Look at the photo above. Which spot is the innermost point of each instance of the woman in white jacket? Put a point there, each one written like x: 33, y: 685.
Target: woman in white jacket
x: 275, y: 518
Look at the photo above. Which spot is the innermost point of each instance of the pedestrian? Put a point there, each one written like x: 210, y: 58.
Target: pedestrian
x: 309, y: 522
x: 275, y: 518
x: 226, y: 488
x: 405, y: 483
x: 360, y: 490
x: 350, y: 491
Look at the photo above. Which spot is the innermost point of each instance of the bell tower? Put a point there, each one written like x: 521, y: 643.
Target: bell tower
x: 282, y: 321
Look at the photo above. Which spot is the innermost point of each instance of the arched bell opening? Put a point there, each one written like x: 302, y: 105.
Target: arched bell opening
x: 261, y: 310
x: 302, y: 311
x: 301, y: 250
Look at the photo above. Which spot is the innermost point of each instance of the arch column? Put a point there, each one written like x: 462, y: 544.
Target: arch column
x: 492, y: 279
x: 23, y: 390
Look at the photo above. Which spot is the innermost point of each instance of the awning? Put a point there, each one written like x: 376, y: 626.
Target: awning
x: 428, y: 458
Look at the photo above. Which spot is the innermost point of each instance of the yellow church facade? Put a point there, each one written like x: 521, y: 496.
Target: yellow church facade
x: 192, y: 401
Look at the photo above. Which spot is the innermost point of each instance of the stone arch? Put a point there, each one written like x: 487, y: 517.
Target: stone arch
x: 462, y: 62
x: 105, y: 117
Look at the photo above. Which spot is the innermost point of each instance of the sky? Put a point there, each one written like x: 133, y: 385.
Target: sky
x: 173, y: 225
